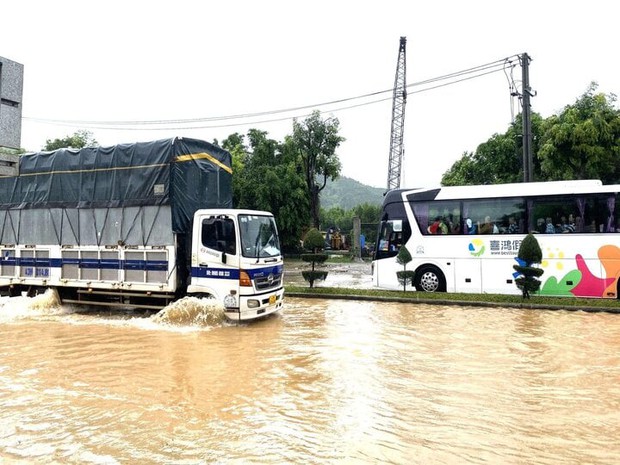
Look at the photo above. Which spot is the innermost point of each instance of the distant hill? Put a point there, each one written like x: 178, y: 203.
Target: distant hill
x: 347, y: 193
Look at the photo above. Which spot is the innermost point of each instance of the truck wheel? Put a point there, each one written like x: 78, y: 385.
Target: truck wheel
x: 429, y: 278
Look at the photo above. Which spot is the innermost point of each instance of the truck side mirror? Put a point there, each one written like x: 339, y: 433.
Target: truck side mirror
x: 224, y: 258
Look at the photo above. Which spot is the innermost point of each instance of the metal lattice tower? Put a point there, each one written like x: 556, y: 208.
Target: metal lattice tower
x: 398, y: 118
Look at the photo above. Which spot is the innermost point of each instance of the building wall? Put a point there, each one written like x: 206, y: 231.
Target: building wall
x: 11, y: 90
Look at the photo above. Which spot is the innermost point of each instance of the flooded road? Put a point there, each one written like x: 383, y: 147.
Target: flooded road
x: 324, y: 382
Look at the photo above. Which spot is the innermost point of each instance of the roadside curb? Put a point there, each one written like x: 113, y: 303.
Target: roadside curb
x: 462, y: 303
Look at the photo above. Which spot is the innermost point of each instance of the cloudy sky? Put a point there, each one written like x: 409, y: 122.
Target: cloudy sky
x: 136, y: 71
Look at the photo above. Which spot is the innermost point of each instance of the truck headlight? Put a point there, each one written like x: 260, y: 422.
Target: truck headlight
x: 230, y: 301
x: 253, y: 303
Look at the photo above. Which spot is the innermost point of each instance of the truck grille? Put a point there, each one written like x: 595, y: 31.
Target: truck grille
x: 272, y: 281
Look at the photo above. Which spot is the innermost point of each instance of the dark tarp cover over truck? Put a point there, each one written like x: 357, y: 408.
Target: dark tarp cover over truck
x: 137, y: 193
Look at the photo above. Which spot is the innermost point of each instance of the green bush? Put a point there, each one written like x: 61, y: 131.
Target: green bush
x: 529, y: 255
x: 314, y: 275
x: 403, y: 258
x: 405, y: 277
x: 314, y: 257
x: 314, y: 242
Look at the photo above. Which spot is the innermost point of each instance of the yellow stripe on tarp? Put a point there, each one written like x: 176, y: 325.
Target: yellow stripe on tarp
x: 92, y: 170
x: 202, y: 156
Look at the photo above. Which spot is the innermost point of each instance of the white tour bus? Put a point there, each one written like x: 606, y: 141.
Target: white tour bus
x: 466, y: 238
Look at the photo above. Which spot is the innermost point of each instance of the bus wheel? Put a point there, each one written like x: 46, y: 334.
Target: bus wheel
x: 430, y: 279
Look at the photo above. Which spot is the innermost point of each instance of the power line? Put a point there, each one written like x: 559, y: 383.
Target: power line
x: 173, y: 124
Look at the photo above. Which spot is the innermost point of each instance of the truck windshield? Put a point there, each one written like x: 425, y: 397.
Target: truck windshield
x: 259, y: 236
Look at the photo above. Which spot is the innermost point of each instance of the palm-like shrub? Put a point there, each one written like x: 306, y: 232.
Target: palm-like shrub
x: 528, y: 274
x: 314, y: 242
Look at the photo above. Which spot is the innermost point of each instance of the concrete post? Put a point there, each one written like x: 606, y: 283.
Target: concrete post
x: 357, y: 231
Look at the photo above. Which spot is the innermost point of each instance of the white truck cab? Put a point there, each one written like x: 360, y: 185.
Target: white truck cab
x: 236, y: 259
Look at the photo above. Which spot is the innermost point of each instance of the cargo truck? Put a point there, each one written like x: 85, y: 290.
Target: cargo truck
x: 137, y: 225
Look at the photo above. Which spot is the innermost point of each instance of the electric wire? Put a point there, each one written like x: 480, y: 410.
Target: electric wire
x: 257, y: 117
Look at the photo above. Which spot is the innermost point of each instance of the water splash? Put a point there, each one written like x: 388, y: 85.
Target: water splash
x: 191, y: 311
x: 46, y: 301
x: 41, y: 305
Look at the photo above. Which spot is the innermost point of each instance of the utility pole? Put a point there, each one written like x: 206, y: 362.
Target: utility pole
x: 398, y: 118
x: 528, y: 171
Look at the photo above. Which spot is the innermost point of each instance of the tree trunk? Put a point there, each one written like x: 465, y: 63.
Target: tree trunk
x: 315, y: 206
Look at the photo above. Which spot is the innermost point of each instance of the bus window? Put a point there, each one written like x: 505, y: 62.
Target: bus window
x: 495, y: 216
x: 567, y: 213
x: 551, y: 213
x: 438, y: 217
x: 392, y: 235
x: 599, y: 213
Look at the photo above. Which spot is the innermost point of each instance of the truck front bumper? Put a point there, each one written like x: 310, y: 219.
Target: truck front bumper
x: 256, y: 306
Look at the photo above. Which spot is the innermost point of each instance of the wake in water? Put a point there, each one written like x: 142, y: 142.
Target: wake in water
x: 191, y: 311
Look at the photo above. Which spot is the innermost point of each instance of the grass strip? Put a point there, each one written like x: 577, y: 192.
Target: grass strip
x: 568, y: 303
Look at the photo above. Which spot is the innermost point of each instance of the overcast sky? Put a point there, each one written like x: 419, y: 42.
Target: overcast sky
x: 129, y: 61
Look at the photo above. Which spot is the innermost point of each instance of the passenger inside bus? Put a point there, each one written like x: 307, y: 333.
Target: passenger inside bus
x: 454, y: 226
x: 513, y: 227
x: 566, y: 226
x: 438, y: 227
x: 549, y: 228
x: 488, y: 227
x: 540, y: 226
x: 592, y: 228
x: 470, y: 227
x: 570, y: 225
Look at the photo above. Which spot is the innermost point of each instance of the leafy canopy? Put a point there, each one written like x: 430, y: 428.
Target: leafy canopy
x: 583, y: 140
x: 78, y: 140
x: 267, y: 176
x: 316, y: 141
x: 580, y: 142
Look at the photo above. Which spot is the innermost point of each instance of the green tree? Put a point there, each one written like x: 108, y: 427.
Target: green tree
x: 498, y: 160
x: 313, y: 241
x: 235, y: 144
x: 316, y: 141
x: 369, y: 215
x: 583, y: 140
x: 336, y: 216
x: 267, y: 175
x: 529, y: 255
x: 78, y: 140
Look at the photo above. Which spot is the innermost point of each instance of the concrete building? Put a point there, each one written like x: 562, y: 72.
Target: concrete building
x: 11, y: 90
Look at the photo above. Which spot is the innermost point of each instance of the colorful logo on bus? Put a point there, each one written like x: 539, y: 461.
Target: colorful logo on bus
x: 476, y: 247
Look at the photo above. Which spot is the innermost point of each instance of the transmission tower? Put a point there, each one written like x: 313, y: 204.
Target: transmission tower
x: 398, y: 118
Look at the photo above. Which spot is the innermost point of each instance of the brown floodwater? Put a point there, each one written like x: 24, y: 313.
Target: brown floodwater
x: 323, y: 382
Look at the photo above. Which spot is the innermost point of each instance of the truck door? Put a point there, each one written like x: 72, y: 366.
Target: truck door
x: 218, y: 245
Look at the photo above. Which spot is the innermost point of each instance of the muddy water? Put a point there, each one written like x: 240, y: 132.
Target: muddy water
x: 324, y: 382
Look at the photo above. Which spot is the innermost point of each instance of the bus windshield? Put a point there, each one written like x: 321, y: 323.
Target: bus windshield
x: 259, y: 236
